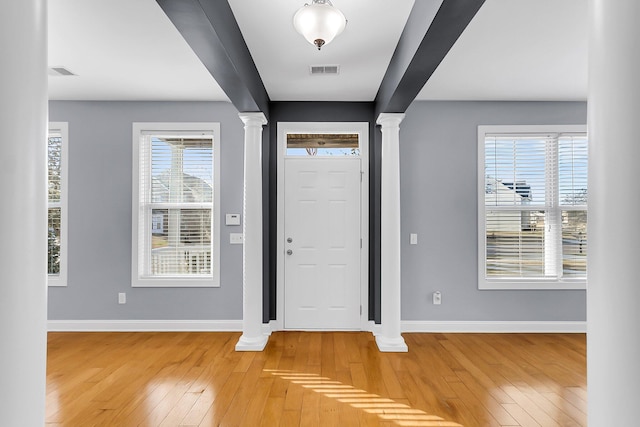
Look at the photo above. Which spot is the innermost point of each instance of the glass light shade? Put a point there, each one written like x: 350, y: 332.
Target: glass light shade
x: 319, y: 22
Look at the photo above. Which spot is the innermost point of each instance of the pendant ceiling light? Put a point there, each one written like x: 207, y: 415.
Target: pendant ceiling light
x: 319, y: 22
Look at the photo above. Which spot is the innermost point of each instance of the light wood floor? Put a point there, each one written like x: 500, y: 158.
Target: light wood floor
x: 316, y: 379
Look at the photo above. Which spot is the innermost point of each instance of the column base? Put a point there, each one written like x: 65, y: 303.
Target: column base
x: 391, y: 345
x: 252, y: 343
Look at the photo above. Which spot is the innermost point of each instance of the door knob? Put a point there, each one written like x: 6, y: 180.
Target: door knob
x: 289, y: 252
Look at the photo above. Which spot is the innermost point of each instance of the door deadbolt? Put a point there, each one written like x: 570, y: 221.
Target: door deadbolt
x: 289, y: 240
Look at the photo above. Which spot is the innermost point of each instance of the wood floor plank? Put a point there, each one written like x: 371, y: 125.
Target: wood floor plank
x: 290, y: 419
x: 531, y: 407
x: 208, y: 386
x: 180, y: 410
x: 237, y: 410
x: 519, y: 414
x: 567, y: 408
x: 255, y: 407
x: 391, y: 382
x: 341, y: 359
x: 434, y: 403
x: 371, y: 365
x: 310, y: 411
x: 273, y: 412
x: 220, y: 405
x: 477, y: 408
x: 488, y: 400
x: 576, y: 400
x: 488, y: 375
x: 200, y: 407
x: 315, y: 378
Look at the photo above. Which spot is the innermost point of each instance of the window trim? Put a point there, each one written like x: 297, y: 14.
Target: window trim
x: 60, y: 280
x: 513, y: 283
x: 139, y: 129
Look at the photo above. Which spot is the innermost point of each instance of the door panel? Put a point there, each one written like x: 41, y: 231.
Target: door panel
x: 322, y: 219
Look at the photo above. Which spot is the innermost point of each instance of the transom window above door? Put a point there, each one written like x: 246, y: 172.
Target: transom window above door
x: 323, y: 144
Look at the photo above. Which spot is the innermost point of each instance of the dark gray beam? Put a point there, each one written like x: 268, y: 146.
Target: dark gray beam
x: 211, y: 30
x: 421, y: 48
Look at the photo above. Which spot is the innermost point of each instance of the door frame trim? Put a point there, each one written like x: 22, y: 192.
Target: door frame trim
x: 362, y: 129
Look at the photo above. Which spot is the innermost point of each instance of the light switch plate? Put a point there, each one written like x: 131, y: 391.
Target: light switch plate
x: 413, y: 239
x: 236, y: 238
x: 437, y: 298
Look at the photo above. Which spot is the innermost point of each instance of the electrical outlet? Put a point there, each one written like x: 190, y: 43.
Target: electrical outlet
x: 437, y: 298
x: 122, y: 298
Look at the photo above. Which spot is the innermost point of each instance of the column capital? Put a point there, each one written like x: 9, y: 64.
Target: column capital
x: 253, y: 119
x: 390, y: 119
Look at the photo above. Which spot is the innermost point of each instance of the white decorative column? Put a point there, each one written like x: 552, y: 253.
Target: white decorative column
x: 613, y: 295
x: 23, y: 212
x: 252, y: 339
x: 390, y: 340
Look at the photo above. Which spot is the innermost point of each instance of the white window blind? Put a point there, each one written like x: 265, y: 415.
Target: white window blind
x: 176, y: 216
x: 56, y: 212
x: 533, y: 221
x: 572, y: 176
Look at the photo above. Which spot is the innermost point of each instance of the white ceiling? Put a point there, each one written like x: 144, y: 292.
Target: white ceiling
x: 283, y: 56
x: 129, y: 50
x: 517, y: 50
x: 123, y: 50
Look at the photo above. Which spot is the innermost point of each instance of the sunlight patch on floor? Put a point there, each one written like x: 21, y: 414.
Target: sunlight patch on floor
x: 385, y: 408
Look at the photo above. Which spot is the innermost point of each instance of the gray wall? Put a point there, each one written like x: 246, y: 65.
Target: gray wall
x: 100, y: 170
x: 438, y: 160
x: 438, y: 178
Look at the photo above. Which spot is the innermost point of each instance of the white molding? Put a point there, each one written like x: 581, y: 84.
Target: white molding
x: 268, y: 328
x: 514, y: 284
x: 144, y: 325
x: 424, y: 326
x: 372, y: 327
x: 465, y: 326
x: 138, y: 130
x: 391, y: 345
x: 542, y: 284
x: 60, y: 279
x: 252, y: 344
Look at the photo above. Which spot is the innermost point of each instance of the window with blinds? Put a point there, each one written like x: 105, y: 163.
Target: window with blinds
x: 532, y: 207
x: 176, y: 216
x: 57, y: 207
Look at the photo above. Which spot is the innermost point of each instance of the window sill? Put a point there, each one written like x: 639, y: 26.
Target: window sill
x: 175, y: 282
x: 517, y: 285
x: 56, y: 282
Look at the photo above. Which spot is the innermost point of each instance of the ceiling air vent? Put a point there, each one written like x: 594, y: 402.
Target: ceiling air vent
x: 324, y: 69
x: 59, y: 71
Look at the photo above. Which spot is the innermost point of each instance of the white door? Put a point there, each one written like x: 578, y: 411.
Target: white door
x: 322, y: 243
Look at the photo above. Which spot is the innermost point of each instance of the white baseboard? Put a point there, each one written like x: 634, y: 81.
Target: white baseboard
x: 374, y: 328
x: 236, y: 326
x: 493, y: 326
x: 268, y: 328
x: 144, y: 325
